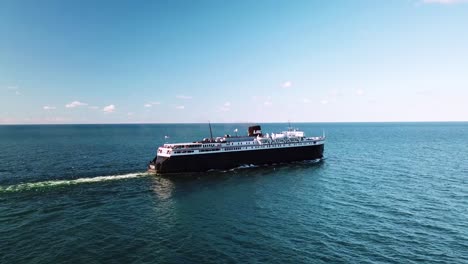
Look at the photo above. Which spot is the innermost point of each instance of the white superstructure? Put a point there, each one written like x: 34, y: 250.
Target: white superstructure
x: 292, y: 138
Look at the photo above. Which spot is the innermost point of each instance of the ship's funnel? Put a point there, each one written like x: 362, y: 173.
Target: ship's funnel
x: 255, y: 131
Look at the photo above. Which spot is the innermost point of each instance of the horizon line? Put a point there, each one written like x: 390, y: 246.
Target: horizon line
x: 189, y: 123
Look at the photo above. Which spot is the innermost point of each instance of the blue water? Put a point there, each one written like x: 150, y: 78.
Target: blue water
x: 386, y: 193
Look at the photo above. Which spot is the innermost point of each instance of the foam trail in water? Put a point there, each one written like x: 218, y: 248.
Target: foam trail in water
x: 56, y: 183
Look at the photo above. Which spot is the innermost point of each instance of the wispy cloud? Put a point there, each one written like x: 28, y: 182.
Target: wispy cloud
x: 180, y: 107
x: 324, y: 101
x: 109, y: 108
x: 7, y: 120
x: 47, y: 107
x: 226, y: 107
x: 13, y: 89
x: 57, y: 119
x: 287, y: 84
x: 93, y: 107
x: 444, y: 2
x: 360, y: 92
x: 306, y: 100
x: 262, y: 99
x: 75, y: 104
x: 150, y: 104
x: 183, y: 97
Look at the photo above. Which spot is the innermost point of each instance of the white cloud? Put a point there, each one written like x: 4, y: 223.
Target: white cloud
x: 75, y: 104
x: 324, y: 102
x: 286, y: 84
x: 265, y: 100
x: 109, y: 108
x: 306, y: 100
x: 150, y: 104
x: 226, y: 107
x: 184, y: 97
x: 360, y: 92
x: 180, y: 107
x: 444, y: 2
x: 46, y: 107
x: 17, y: 93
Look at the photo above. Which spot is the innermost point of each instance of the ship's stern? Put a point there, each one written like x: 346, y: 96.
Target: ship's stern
x: 156, y: 165
x: 152, y: 167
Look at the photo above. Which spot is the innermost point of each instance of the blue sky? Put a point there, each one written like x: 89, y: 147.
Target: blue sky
x: 65, y: 61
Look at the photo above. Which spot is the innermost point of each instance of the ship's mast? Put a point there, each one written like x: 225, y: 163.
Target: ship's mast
x: 211, y: 133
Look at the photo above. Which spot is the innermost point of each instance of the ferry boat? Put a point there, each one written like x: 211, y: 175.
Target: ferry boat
x: 229, y: 152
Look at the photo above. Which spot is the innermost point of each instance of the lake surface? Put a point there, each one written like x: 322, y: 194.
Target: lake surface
x: 386, y: 193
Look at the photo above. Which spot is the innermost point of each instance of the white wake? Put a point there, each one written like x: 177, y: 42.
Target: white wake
x: 56, y: 183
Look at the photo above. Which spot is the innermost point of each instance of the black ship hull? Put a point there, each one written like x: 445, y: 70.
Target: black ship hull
x: 234, y: 159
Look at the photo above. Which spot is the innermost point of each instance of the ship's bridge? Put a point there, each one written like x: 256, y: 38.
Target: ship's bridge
x: 293, y: 133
